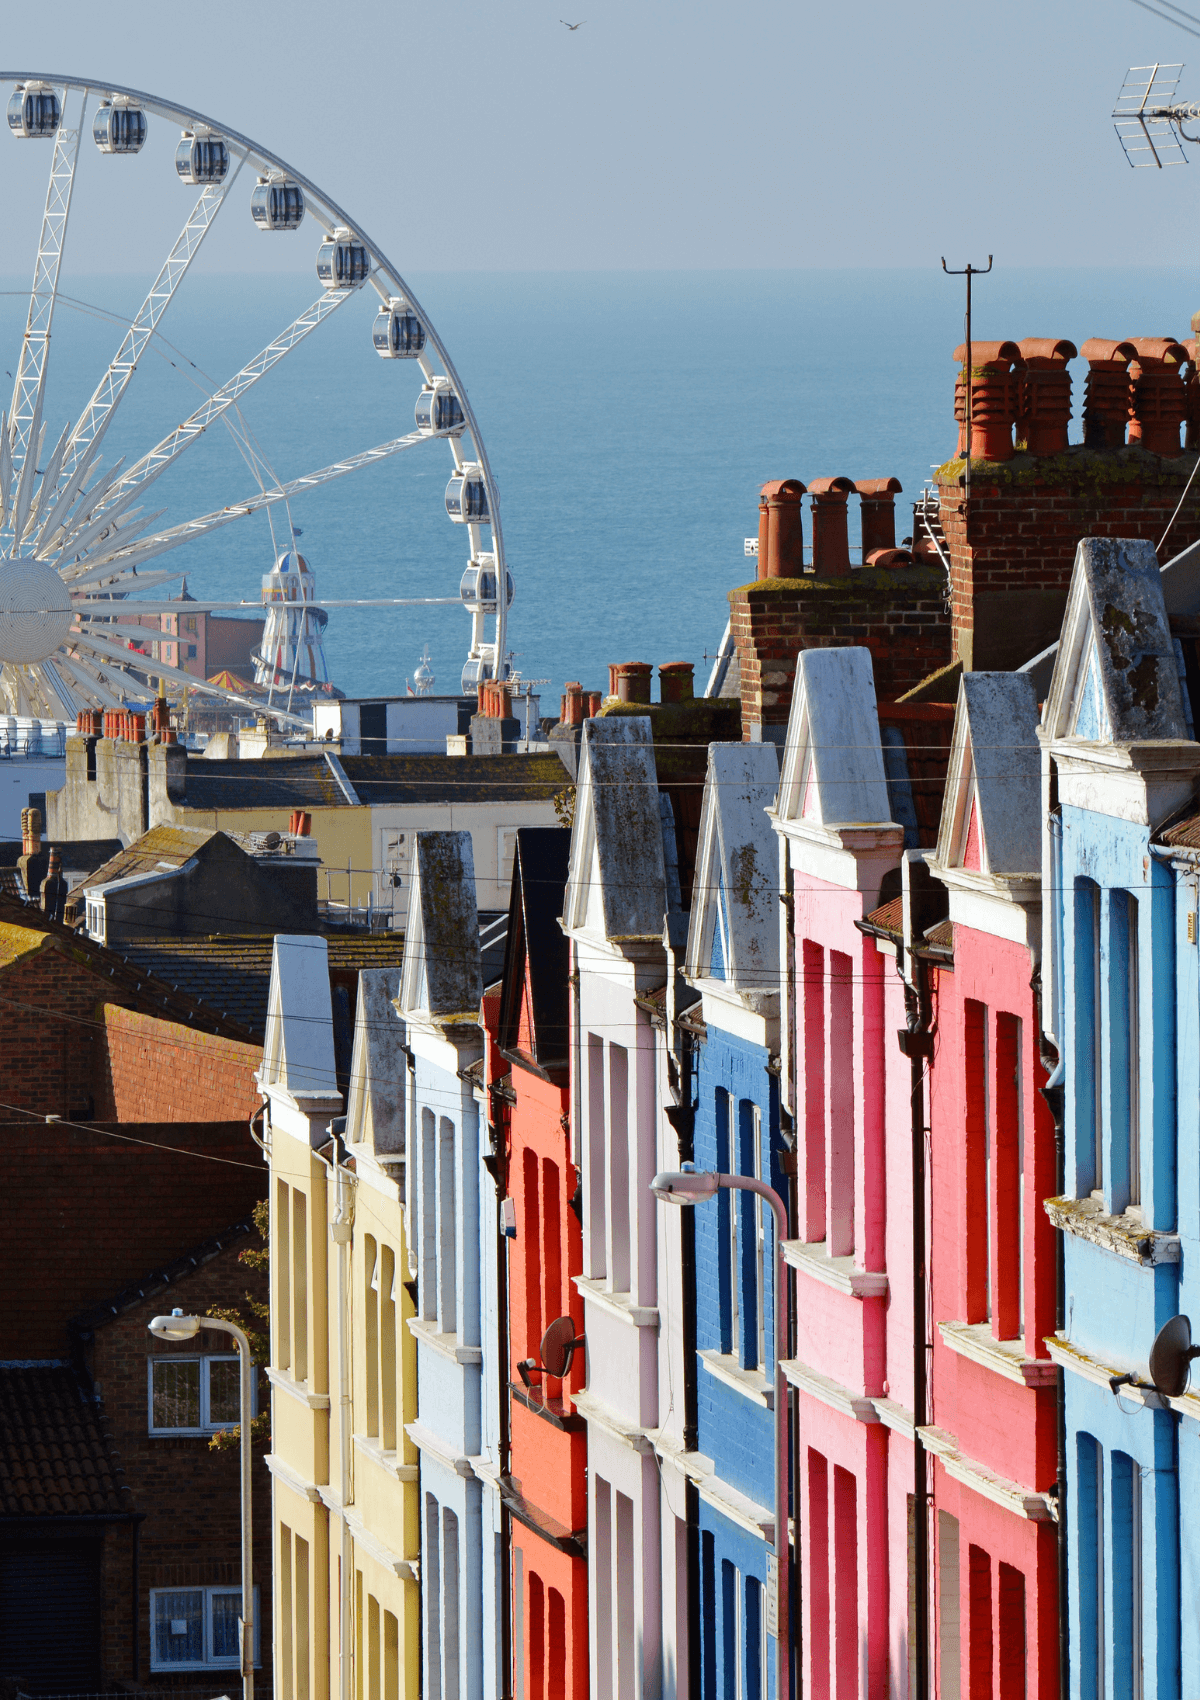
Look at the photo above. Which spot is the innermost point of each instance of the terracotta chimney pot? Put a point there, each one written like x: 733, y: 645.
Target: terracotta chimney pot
x: 994, y: 396
x: 675, y: 682
x: 633, y: 681
x: 1044, y: 395
x: 781, y: 529
x: 830, y: 540
x: 877, y: 497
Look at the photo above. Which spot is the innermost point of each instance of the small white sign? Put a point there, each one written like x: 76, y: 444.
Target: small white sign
x: 772, y: 1595
x: 752, y: 545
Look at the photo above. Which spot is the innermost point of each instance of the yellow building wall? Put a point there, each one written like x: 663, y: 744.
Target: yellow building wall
x: 380, y: 1646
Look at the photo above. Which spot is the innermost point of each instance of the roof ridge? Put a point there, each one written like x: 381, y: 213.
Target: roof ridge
x: 166, y: 1275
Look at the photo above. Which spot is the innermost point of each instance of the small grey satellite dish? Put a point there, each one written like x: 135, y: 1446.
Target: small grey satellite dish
x: 558, y: 1346
x: 1171, y: 1356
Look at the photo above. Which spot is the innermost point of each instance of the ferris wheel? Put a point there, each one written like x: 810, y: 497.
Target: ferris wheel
x: 75, y: 535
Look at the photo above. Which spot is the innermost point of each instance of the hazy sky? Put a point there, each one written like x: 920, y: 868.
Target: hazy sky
x: 663, y: 133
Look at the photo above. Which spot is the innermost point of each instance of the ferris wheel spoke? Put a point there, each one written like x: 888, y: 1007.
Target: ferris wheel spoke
x: 172, y: 446
x: 91, y: 681
x: 113, y: 651
x: 30, y: 382
x: 206, y: 523
x: 97, y: 415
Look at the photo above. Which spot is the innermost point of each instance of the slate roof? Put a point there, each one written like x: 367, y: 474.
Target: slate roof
x: 55, y: 1458
x: 231, y: 972
x: 455, y: 779
x: 309, y: 782
x: 159, y: 1280
x: 78, y: 856
x: 24, y: 929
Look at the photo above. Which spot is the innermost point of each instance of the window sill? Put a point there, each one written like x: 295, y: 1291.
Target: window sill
x: 1124, y: 1236
x: 840, y: 1273
x: 750, y: 1383
x: 388, y: 1461
x: 617, y: 1304
x: 974, y: 1340
x: 429, y: 1334
x: 297, y: 1390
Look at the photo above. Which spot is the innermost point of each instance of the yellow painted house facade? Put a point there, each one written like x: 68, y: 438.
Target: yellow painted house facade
x: 343, y: 1362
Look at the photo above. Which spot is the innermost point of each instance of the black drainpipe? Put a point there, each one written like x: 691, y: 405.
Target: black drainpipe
x: 916, y: 1042
x: 1054, y: 1094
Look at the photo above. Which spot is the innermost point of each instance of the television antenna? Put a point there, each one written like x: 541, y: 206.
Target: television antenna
x: 1149, y: 120
x: 968, y: 271
x: 1171, y: 1357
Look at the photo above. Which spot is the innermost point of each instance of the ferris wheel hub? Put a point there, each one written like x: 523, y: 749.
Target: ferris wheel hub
x: 35, y: 610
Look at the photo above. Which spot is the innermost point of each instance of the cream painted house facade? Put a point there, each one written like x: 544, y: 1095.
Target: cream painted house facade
x: 345, y: 1532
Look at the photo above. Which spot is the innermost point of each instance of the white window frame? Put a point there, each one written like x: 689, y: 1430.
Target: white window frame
x: 760, y: 1240
x: 205, y: 1360
x: 208, y: 1662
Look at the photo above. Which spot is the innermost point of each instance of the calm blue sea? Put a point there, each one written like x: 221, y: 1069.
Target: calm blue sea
x: 630, y: 419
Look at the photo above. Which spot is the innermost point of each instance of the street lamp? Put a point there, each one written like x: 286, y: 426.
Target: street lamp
x: 689, y: 1186
x: 177, y: 1326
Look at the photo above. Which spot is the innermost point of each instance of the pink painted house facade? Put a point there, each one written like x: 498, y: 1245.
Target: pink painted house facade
x: 845, y: 1084
x: 993, y: 1413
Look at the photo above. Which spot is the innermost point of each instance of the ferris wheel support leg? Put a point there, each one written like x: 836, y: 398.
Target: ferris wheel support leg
x: 94, y: 419
x: 30, y: 383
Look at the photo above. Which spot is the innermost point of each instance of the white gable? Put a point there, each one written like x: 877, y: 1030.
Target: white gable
x: 616, y: 840
x: 298, y: 1043
x: 1116, y: 675
x: 733, y: 933
x: 442, y: 978
x: 378, y: 1066
x: 833, y: 773
x: 991, y: 807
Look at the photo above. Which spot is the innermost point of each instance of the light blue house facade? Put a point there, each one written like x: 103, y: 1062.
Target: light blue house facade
x: 1118, y: 761
x: 733, y: 962
x: 440, y: 995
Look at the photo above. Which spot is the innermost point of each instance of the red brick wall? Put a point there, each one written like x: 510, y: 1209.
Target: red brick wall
x: 899, y: 615
x: 85, y: 1213
x: 50, y: 1036
x: 1011, y: 569
x: 150, y: 1069
x: 189, y: 1495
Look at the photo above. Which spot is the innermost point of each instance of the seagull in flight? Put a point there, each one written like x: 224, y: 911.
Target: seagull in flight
x: 568, y: 26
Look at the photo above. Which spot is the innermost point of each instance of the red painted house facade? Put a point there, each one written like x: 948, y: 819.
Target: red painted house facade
x: 992, y: 1434
x: 545, y: 1486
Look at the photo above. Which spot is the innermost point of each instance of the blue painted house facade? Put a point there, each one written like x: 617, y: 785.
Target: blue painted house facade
x: 733, y: 962
x: 1119, y: 760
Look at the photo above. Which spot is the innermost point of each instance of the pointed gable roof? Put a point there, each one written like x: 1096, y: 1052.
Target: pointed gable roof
x: 534, y: 1007
x: 298, y: 1043
x: 733, y: 934
x: 378, y: 1066
x: 833, y: 773
x: 616, y: 887
x: 1116, y: 676
x: 991, y: 811
x: 442, y: 978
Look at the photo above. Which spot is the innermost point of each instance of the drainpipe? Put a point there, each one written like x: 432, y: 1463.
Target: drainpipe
x: 1054, y: 1094
x: 916, y: 1042
x: 342, y: 1228
x: 496, y: 1164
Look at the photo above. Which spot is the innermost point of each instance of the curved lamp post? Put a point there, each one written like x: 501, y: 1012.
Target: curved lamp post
x: 689, y: 1186
x: 177, y: 1326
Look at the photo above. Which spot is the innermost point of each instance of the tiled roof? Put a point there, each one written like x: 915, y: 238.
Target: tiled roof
x: 55, y: 1458
x: 455, y: 779
x: 169, y: 845
x: 941, y: 937
x: 1185, y: 834
x: 231, y: 972
x: 889, y: 917
x: 25, y: 929
x: 288, y: 782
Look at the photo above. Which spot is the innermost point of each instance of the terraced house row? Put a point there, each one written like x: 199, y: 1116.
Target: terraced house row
x: 885, y: 945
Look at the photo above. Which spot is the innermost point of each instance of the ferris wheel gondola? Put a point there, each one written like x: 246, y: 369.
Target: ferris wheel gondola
x: 75, y: 538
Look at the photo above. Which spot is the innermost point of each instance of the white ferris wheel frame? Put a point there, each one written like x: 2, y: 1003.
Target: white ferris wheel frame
x: 119, y: 552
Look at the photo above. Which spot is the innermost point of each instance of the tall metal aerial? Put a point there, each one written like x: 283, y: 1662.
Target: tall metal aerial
x: 73, y: 546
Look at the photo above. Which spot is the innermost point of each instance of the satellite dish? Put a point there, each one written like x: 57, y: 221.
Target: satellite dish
x: 1171, y: 1356
x: 558, y: 1346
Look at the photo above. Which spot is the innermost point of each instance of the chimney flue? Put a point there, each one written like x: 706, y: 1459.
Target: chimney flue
x: 675, y: 681
x: 633, y: 681
x: 781, y: 529
x: 877, y: 498
x: 830, y: 539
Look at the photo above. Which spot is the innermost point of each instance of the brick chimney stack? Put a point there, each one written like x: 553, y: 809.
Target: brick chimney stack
x: 894, y: 605
x: 1034, y: 494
